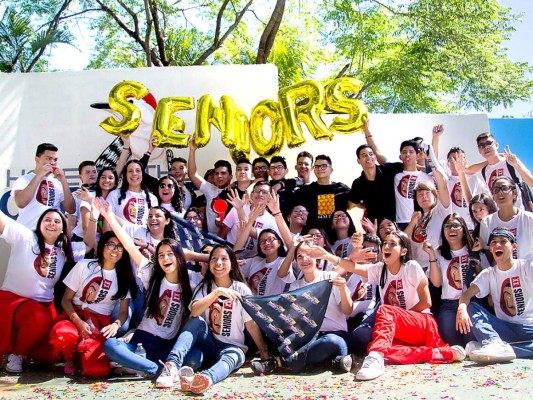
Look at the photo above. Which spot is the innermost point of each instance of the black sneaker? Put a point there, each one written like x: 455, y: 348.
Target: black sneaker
x: 264, y: 367
x: 343, y: 363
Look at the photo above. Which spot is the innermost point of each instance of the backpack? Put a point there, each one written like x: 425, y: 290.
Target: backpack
x: 527, y: 197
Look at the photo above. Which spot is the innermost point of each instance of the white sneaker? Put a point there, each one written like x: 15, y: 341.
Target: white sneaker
x: 471, y: 346
x: 373, y: 367
x: 167, y: 377
x: 459, y: 354
x: 495, y: 351
x: 14, y: 363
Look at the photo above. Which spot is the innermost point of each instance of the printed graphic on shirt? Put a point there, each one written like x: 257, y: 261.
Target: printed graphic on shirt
x: 493, y: 175
x: 46, y: 193
x: 96, y: 290
x: 342, y: 250
x: 457, y: 271
x: 250, y: 244
x: 257, y: 281
x: 406, y: 186
x: 512, y: 301
x: 394, y: 295
x: 456, y: 195
x: 363, y: 291
x: 326, y: 205
x: 169, y: 308
x: 419, y: 234
x: 134, y: 211
x: 46, y: 265
x: 220, y: 315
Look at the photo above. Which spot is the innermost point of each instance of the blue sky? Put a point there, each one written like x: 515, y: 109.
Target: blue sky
x: 67, y: 57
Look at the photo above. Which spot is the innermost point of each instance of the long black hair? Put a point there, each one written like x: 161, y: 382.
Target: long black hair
x: 125, y: 278
x: 488, y: 202
x: 169, y: 232
x: 178, y: 198
x: 234, y: 273
x: 468, y: 241
x: 333, y: 233
x: 281, y: 249
x: 154, y: 286
x: 125, y: 185
x: 405, y: 243
x: 98, y: 189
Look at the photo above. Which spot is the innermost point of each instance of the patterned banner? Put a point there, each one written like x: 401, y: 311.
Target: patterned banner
x: 290, y: 320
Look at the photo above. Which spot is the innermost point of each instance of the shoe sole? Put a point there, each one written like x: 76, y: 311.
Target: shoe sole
x: 491, y: 358
x: 367, y: 378
x: 199, y: 384
x: 161, y: 386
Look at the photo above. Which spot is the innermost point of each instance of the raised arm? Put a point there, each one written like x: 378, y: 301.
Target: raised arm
x: 438, y: 130
x: 519, y: 166
x: 194, y: 176
x: 24, y: 196
x: 370, y: 141
x: 435, y: 274
x: 124, y: 155
x: 273, y: 206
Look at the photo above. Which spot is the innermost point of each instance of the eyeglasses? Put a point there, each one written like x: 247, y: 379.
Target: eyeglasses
x: 276, y: 167
x: 193, y: 218
x: 113, y: 246
x: 503, y: 188
x: 261, y: 192
x: 166, y: 185
x: 300, y: 212
x: 267, y: 241
x: 321, y: 167
x: 455, y: 226
x: 261, y: 168
x: 339, y: 216
x: 482, y: 145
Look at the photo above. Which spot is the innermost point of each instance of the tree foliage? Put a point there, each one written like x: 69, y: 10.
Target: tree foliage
x: 412, y: 55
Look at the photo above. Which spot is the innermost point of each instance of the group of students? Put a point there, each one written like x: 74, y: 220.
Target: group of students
x: 416, y: 286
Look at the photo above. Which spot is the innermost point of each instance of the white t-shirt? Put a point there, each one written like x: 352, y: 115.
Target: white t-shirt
x: 458, y: 202
x: 170, y: 208
x: 93, y: 286
x: 401, y: 289
x: 334, y: 319
x: 454, y: 273
x: 263, y: 277
x: 265, y: 221
x: 226, y: 318
x: 363, y: 294
x: 429, y: 232
x: 342, y: 247
x: 404, y: 186
x: 521, y: 225
x: 210, y: 192
x: 49, y: 193
x: 511, y: 291
x: 500, y: 169
x: 133, y: 207
x: 78, y: 229
x: 29, y: 274
x: 168, y: 322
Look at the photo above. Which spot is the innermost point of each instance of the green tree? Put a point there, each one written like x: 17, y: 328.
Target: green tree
x: 428, y: 55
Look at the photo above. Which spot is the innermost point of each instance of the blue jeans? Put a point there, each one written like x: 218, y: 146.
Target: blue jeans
x: 126, y: 325
x: 446, y: 322
x: 360, y: 337
x: 138, y: 306
x: 489, y: 327
x: 324, y: 348
x: 156, y: 349
x: 223, y: 358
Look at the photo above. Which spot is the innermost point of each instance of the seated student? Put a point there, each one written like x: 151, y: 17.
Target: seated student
x: 342, y: 229
x: 88, y: 177
x: 405, y: 332
x: 510, y: 283
x: 520, y: 222
x: 216, y: 304
x: 297, y: 219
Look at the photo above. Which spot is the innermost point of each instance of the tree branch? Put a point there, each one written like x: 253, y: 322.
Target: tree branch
x: 217, y: 41
x: 158, y: 34
x: 269, y: 34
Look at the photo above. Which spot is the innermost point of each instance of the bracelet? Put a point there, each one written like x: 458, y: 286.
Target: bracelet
x: 92, y: 219
x: 118, y: 323
x: 149, y: 153
x: 338, y: 261
x: 275, y: 214
x: 432, y: 261
x: 368, y: 136
x: 126, y: 148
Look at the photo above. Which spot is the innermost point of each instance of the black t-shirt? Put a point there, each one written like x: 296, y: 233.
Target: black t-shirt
x: 377, y: 195
x: 321, y: 201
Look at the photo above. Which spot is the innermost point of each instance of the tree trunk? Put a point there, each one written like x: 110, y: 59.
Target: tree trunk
x: 270, y: 32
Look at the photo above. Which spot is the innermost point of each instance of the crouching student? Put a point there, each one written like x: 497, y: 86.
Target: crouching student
x: 510, y: 283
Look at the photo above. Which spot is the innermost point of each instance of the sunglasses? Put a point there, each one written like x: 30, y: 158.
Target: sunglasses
x: 166, y: 186
x: 485, y: 144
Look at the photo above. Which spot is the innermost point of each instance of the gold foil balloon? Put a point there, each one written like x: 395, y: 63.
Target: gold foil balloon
x: 266, y: 147
x: 303, y: 102
x: 168, y: 127
x: 222, y: 118
x: 118, y: 102
x: 241, y: 136
x: 338, y: 101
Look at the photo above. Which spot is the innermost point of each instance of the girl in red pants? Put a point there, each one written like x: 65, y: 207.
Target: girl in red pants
x: 92, y: 288
x: 26, y: 297
x: 405, y: 332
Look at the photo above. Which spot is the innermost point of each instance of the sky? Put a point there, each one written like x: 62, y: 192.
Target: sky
x: 66, y: 57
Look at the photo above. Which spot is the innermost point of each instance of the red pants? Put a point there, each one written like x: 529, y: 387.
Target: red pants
x: 65, y: 340
x: 408, y: 337
x: 25, y: 327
